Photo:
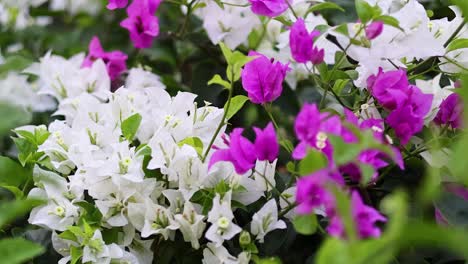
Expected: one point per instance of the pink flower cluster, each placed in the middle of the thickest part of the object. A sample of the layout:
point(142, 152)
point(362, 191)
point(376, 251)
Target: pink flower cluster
point(141, 22)
point(243, 154)
point(407, 104)
point(313, 129)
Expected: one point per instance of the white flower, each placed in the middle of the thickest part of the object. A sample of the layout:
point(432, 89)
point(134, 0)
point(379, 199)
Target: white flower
point(217, 254)
point(64, 78)
point(220, 216)
point(158, 220)
point(440, 94)
point(266, 220)
point(264, 175)
point(59, 212)
point(231, 25)
point(16, 90)
point(142, 250)
point(191, 224)
point(141, 79)
point(288, 197)
point(96, 251)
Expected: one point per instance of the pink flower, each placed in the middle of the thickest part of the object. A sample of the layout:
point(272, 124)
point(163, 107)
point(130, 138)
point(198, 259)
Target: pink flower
point(311, 129)
point(266, 143)
point(115, 4)
point(389, 88)
point(141, 22)
point(263, 78)
point(450, 112)
point(241, 152)
point(115, 60)
point(365, 219)
point(269, 8)
point(312, 193)
point(301, 44)
point(374, 29)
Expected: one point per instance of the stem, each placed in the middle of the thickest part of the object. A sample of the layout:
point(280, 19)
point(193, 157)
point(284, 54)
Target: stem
point(221, 124)
point(231, 4)
point(340, 61)
point(292, 9)
point(454, 35)
point(274, 188)
point(272, 118)
point(181, 32)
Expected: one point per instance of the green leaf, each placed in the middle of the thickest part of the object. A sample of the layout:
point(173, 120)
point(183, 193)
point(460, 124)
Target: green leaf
point(463, 4)
point(313, 162)
point(91, 214)
point(339, 85)
point(130, 126)
point(367, 172)
point(270, 260)
point(305, 224)
point(364, 10)
point(333, 251)
point(291, 167)
point(235, 64)
point(287, 144)
point(218, 80)
point(457, 44)
point(342, 29)
point(13, 189)
point(323, 6)
point(18, 250)
point(75, 253)
point(9, 211)
point(285, 21)
point(237, 102)
point(389, 20)
point(226, 52)
point(68, 235)
point(12, 173)
point(194, 142)
point(26, 149)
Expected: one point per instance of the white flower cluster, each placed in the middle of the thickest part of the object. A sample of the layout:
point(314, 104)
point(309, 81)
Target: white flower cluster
point(132, 163)
point(15, 89)
point(16, 13)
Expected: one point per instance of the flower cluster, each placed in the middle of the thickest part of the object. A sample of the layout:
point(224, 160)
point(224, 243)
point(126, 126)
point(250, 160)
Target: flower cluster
point(135, 157)
point(125, 166)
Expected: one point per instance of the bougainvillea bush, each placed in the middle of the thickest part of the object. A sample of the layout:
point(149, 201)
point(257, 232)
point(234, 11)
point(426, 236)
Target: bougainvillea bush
point(233, 131)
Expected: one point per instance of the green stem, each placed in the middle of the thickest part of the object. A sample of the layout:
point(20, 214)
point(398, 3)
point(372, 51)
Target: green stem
point(273, 120)
point(273, 188)
point(292, 9)
point(221, 124)
point(337, 65)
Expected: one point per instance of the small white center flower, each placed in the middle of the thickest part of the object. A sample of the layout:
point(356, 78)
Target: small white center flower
point(364, 106)
point(321, 136)
point(127, 161)
point(223, 223)
point(321, 144)
point(59, 211)
point(389, 139)
point(377, 129)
